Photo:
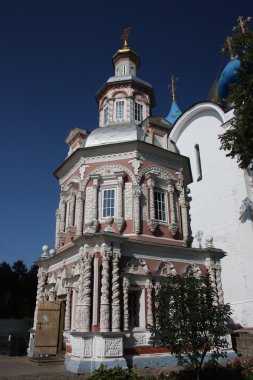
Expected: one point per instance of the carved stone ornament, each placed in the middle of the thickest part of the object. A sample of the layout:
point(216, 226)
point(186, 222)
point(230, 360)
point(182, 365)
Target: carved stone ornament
point(194, 270)
point(109, 222)
point(112, 169)
point(136, 266)
point(173, 227)
point(166, 269)
point(136, 164)
point(158, 171)
point(152, 224)
point(113, 347)
point(82, 170)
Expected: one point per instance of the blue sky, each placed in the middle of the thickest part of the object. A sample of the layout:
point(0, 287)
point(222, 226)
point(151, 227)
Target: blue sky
point(55, 55)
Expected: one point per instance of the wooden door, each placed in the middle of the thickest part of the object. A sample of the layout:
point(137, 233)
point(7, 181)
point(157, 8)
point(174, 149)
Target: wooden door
point(47, 329)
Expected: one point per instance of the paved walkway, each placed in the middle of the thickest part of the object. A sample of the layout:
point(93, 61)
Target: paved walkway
point(20, 368)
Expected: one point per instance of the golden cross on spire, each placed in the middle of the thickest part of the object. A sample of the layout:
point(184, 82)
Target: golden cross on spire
point(173, 87)
point(242, 23)
point(124, 37)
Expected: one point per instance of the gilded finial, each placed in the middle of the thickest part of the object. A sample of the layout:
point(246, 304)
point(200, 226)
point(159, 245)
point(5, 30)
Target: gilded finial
point(173, 87)
point(242, 23)
point(124, 37)
point(228, 44)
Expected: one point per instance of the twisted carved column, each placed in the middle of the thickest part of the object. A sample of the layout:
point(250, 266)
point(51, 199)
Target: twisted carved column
point(149, 288)
point(173, 226)
point(68, 310)
point(84, 291)
point(214, 271)
point(57, 229)
point(79, 213)
point(157, 290)
point(41, 275)
point(137, 196)
point(115, 292)
point(126, 285)
point(104, 301)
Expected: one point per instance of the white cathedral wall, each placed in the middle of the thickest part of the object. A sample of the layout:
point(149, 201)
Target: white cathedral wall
point(216, 203)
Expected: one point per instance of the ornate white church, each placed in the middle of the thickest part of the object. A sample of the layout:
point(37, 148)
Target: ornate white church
point(123, 225)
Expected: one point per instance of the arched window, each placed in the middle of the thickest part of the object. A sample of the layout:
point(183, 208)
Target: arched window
point(106, 115)
point(124, 69)
point(198, 162)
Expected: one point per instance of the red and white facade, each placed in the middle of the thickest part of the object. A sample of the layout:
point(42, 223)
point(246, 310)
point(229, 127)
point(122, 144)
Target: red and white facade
point(122, 226)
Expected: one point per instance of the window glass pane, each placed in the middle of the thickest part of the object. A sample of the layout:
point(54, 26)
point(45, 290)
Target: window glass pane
point(160, 206)
point(120, 109)
point(138, 111)
point(108, 203)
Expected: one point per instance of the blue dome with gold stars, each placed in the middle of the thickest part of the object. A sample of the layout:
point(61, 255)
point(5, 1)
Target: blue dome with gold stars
point(174, 113)
point(229, 76)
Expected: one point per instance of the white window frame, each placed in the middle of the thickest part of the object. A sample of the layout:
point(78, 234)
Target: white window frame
point(159, 210)
point(119, 109)
point(138, 111)
point(115, 202)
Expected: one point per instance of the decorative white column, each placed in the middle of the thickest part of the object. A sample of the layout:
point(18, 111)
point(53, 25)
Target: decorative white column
point(95, 179)
point(184, 213)
point(149, 288)
point(137, 196)
point(157, 290)
point(119, 220)
point(95, 287)
point(62, 207)
point(104, 300)
point(71, 200)
point(151, 204)
point(173, 226)
point(219, 282)
point(57, 229)
point(79, 212)
point(67, 310)
point(41, 275)
point(126, 285)
point(214, 271)
point(84, 291)
point(115, 292)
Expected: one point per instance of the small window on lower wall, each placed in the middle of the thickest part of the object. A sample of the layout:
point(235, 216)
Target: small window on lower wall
point(108, 202)
point(198, 162)
point(160, 205)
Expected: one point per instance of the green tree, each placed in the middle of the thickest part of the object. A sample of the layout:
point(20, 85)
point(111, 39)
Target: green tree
point(238, 139)
point(188, 321)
